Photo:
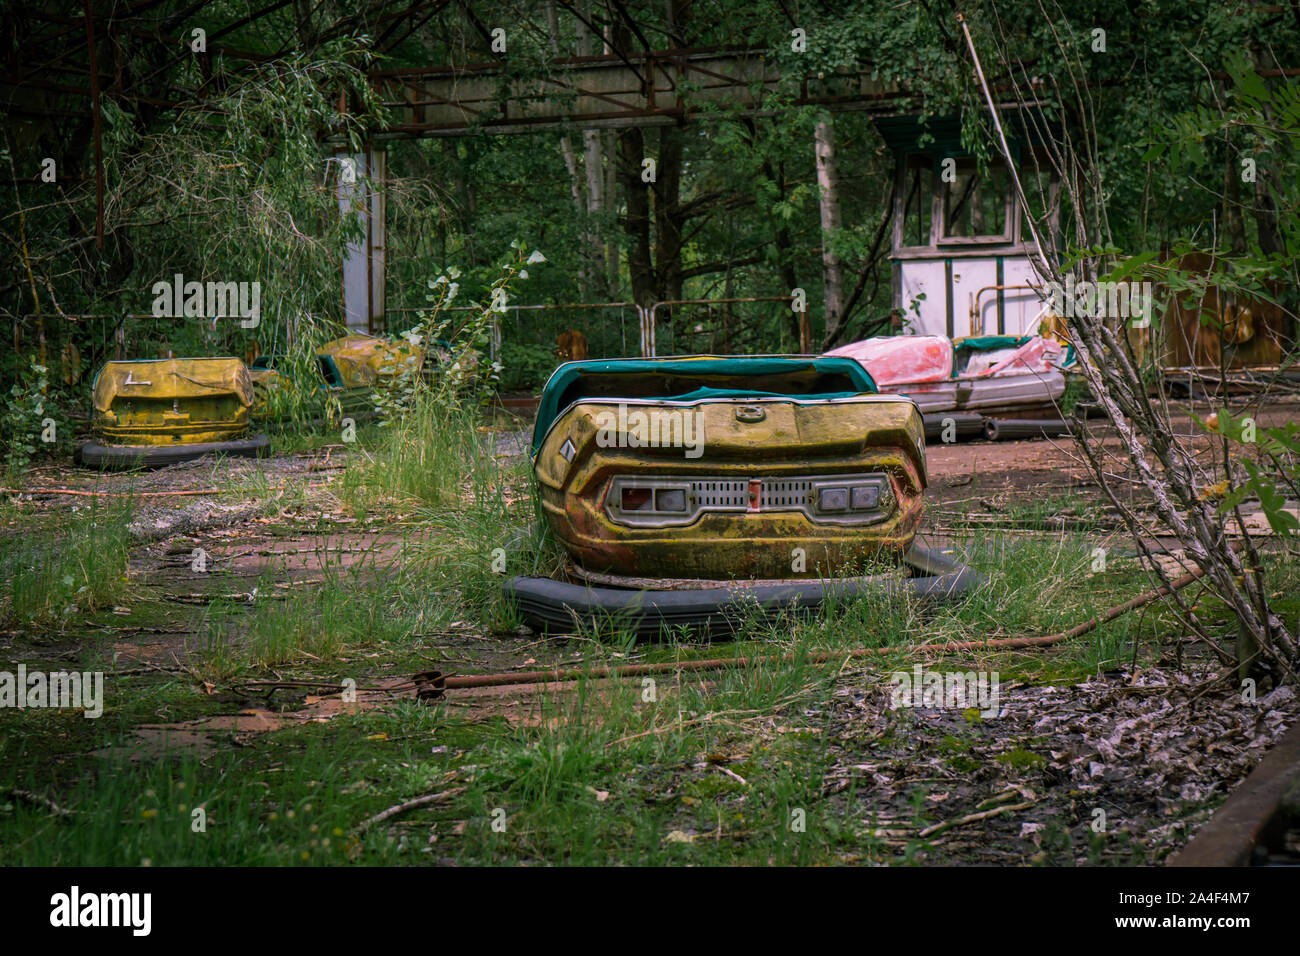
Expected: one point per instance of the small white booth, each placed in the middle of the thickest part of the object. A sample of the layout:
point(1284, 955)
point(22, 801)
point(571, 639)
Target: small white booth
point(961, 246)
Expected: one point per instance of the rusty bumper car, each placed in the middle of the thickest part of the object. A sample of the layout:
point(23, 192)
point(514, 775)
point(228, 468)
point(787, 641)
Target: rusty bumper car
point(351, 369)
point(987, 386)
point(695, 491)
point(151, 413)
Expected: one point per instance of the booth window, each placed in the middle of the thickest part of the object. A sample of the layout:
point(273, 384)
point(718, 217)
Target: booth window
point(918, 192)
point(975, 205)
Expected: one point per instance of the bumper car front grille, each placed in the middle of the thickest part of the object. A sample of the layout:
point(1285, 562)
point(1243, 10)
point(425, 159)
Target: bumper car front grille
point(669, 501)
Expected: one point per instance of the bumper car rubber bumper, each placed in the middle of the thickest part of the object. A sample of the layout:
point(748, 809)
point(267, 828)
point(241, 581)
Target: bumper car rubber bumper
point(115, 457)
point(557, 606)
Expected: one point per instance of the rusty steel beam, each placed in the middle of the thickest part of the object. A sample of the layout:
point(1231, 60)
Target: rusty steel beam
point(1246, 820)
point(397, 18)
point(607, 90)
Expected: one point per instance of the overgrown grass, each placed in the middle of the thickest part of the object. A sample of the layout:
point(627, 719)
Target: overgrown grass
point(495, 535)
point(604, 772)
point(472, 528)
point(357, 606)
point(292, 799)
point(429, 454)
point(612, 775)
point(79, 565)
point(579, 787)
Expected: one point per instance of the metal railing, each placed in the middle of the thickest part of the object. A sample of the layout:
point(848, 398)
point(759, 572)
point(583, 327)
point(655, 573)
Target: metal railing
point(647, 317)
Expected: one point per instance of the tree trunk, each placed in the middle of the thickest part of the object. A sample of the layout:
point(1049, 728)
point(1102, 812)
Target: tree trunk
point(636, 219)
point(578, 185)
point(1234, 222)
point(828, 186)
point(668, 183)
point(785, 248)
point(668, 220)
point(594, 164)
point(589, 44)
point(1270, 235)
point(611, 187)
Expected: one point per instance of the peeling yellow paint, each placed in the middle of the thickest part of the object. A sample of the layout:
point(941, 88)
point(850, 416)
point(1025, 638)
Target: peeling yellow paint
point(793, 439)
point(172, 401)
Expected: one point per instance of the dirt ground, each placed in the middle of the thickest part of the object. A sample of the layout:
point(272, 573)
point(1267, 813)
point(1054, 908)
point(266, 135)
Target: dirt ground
point(1028, 468)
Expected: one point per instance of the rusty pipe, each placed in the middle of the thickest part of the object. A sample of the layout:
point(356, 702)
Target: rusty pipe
point(431, 684)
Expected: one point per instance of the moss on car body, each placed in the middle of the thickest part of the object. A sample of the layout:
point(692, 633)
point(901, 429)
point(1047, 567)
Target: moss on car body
point(751, 455)
point(172, 401)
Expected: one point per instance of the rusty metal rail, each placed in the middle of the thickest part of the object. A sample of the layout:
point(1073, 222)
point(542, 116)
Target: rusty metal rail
point(1255, 815)
point(430, 685)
